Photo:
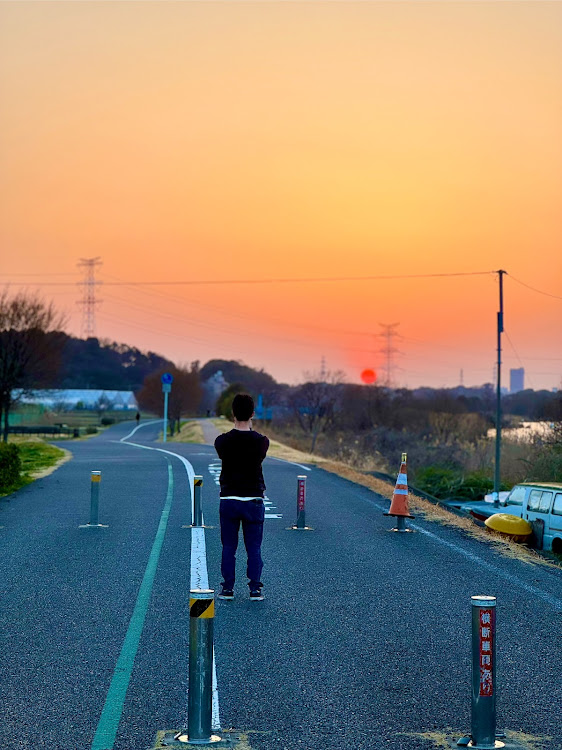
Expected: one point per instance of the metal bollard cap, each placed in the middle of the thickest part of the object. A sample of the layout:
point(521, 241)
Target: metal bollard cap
point(201, 593)
point(483, 601)
point(301, 476)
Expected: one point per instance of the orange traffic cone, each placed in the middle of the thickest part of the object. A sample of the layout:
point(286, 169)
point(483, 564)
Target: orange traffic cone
point(399, 504)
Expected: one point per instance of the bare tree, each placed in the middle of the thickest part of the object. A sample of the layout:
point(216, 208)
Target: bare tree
point(315, 403)
point(30, 347)
point(184, 398)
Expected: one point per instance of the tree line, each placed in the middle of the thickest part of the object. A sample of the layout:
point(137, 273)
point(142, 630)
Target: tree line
point(365, 425)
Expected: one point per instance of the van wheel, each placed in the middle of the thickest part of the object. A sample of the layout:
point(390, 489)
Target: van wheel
point(557, 546)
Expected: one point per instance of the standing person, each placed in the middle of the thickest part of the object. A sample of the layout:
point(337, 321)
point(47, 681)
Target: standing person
point(242, 451)
point(138, 418)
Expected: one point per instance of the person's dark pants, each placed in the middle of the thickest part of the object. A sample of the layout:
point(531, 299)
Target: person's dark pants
point(251, 514)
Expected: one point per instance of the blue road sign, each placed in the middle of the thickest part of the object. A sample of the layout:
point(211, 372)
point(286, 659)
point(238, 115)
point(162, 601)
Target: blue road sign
point(167, 378)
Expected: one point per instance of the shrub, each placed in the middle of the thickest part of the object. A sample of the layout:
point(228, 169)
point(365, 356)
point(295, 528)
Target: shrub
point(474, 486)
point(106, 421)
point(90, 430)
point(445, 483)
point(437, 481)
point(10, 466)
point(223, 407)
point(547, 465)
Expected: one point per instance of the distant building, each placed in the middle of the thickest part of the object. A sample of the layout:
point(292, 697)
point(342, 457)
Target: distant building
point(72, 398)
point(517, 380)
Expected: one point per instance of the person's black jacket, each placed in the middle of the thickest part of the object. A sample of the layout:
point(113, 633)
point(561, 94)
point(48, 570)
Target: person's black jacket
point(242, 453)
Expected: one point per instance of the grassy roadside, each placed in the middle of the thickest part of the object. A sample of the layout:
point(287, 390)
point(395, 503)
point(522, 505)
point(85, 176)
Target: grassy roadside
point(190, 432)
point(38, 459)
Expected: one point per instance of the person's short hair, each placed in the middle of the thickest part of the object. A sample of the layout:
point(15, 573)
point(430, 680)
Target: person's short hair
point(243, 407)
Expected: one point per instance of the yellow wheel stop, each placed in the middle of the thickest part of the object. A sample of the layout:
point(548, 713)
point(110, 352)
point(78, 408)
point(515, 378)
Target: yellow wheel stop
point(505, 523)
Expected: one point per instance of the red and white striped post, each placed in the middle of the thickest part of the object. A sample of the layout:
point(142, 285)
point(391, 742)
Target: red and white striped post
point(483, 734)
point(301, 495)
point(300, 524)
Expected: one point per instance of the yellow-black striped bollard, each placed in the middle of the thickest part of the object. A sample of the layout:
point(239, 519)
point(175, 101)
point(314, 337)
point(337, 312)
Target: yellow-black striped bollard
point(200, 698)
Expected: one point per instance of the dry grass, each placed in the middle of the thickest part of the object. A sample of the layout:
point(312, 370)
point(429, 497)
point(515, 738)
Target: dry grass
point(448, 737)
point(222, 425)
point(190, 432)
point(278, 450)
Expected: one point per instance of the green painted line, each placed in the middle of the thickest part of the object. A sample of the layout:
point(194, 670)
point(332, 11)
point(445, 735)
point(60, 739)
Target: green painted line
point(106, 731)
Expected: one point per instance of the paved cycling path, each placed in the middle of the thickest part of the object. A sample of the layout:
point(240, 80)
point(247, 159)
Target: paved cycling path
point(363, 640)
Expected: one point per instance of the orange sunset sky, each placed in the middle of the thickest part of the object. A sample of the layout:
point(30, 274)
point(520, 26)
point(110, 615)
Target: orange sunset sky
point(253, 141)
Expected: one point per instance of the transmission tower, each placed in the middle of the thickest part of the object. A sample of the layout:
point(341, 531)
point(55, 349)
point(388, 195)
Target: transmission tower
point(89, 300)
point(388, 334)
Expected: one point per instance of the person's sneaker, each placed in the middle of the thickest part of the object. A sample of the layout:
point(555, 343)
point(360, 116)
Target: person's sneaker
point(256, 596)
point(226, 594)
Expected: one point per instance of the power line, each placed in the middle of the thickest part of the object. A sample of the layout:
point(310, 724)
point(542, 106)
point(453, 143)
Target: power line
point(538, 291)
point(311, 280)
point(231, 313)
point(41, 275)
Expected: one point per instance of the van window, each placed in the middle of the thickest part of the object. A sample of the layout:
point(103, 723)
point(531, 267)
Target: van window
point(534, 500)
point(557, 509)
point(516, 496)
point(546, 500)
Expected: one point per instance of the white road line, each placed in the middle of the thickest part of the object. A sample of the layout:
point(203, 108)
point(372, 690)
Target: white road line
point(274, 458)
point(199, 576)
point(545, 596)
point(549, 598)
point(138, 427)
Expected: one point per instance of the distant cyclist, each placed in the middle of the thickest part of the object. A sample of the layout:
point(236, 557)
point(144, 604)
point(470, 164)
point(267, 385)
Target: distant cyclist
point(242, 451)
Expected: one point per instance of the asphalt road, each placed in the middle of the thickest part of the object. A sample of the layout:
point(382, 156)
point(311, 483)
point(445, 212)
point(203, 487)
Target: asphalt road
point(363, 640)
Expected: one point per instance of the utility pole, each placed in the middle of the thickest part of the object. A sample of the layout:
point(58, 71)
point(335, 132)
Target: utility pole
point(388, 349)
point(89, 300)
point(497, 479)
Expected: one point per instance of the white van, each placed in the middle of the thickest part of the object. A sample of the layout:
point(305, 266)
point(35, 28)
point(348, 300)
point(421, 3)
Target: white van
point(540, 503)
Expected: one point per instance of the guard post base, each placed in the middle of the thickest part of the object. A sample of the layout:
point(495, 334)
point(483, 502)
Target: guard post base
point(174, 740)
point(467, 742)
point(400, 523)
point(93, 526)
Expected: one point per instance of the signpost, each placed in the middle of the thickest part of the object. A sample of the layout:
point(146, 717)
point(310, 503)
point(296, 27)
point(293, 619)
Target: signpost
point(167, 379)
